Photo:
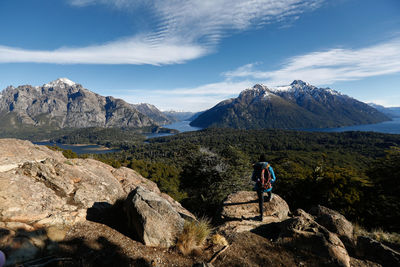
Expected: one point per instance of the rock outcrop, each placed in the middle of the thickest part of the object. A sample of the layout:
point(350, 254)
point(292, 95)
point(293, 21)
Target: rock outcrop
point(334, 222)
point(41, 189)
point(240, 211)
point(302, 232)
point(325, 233)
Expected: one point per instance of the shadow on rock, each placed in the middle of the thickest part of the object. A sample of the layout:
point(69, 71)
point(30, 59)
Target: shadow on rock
point(101, 252)
point(112, 216)
point(41, 248)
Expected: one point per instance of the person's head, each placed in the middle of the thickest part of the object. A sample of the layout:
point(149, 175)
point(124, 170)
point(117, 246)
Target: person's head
point(262, 158)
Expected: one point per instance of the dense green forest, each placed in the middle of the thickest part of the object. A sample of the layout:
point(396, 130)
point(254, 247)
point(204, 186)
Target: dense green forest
point(356, 173)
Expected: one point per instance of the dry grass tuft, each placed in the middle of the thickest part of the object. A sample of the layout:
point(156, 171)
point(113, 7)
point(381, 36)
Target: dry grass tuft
point(378, 235)
point(219, 240)
point(193, 237)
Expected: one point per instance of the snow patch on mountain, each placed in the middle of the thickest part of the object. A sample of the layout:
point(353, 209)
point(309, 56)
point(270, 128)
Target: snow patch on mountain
point(60, 82)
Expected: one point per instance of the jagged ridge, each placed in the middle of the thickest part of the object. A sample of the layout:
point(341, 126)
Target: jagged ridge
point(63, 103)
point(299, 105)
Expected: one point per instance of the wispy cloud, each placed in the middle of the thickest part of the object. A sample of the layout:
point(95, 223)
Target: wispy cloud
point(130, 51)
point(185, 30)
point(326, 67)
point(317, 68)
point(189, 99)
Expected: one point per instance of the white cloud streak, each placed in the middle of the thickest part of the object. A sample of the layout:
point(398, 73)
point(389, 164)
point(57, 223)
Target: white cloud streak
point(185, 30)
point(329, 66)
point(317, 68)
point(189, 99)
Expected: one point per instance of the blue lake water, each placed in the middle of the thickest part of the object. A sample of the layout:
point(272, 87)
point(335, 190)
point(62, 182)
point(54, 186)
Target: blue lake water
point(80, 149)
point(181, 126)
point(392, 127)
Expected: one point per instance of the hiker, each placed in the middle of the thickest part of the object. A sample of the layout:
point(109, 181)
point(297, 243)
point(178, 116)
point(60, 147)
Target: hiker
point(264, 177)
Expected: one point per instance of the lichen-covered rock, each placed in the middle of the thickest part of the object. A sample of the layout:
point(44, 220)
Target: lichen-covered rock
point(243, 205)
point(152, 218)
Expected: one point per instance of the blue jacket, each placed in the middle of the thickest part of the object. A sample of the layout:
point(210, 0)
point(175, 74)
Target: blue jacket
point(256, 176)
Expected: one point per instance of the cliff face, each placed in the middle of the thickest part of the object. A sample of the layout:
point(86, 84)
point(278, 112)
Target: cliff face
point(63, 103)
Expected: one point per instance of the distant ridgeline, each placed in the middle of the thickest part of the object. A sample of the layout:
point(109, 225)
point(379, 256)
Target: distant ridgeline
point(65, 104)
point(299, 105)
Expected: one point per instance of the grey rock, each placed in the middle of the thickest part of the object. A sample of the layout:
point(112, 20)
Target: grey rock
point(152, 218)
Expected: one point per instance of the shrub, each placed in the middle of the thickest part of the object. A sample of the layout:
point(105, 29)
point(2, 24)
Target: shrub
point(193, 237)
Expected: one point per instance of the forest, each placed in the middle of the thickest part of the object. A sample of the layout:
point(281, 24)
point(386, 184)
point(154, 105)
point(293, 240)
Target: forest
point(356, 173)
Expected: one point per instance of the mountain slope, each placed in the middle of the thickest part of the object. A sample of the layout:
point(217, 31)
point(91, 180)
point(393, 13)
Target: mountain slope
point(154, 113)
point(393, 112)
point(298, 105)
point(63, 103)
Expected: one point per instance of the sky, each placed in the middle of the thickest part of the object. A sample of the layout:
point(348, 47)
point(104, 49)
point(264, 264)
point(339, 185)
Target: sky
point(188, 55)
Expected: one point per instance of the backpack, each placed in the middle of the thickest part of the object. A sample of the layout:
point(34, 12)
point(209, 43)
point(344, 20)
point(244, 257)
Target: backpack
point(262, 175)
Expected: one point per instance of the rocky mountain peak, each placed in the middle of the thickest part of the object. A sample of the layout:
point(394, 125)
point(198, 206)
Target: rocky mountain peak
point(258, 90)
point(60, 82)
point(299, 83)
point(64, 103)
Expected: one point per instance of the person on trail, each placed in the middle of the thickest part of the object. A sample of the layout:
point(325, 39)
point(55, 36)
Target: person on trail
point(264, 176)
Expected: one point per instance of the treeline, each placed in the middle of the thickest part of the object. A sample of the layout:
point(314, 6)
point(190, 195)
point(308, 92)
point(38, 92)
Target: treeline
point(356, 173)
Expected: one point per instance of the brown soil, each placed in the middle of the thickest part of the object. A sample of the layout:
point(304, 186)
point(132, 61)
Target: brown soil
point(249, 249)
point(95, 244)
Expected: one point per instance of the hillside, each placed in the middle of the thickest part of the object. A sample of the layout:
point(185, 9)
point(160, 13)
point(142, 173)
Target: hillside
point(154, 113)
point(64, 104)
point(81, 212)
point(299, 105)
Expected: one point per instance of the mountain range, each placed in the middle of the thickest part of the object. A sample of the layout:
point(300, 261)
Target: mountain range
point(65, 104)
point(298, 105)
point(392, 112)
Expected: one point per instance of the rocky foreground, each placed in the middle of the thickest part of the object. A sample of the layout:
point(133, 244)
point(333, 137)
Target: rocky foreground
point(80, 212)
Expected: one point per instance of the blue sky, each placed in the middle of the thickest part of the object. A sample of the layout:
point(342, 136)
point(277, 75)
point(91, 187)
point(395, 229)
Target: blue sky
point(189, 55)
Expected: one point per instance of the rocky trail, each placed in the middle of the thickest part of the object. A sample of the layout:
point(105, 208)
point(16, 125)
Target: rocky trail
point(80, 212)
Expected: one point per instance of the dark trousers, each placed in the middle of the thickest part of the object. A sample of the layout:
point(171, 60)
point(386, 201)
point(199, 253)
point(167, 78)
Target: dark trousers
point(260, 194)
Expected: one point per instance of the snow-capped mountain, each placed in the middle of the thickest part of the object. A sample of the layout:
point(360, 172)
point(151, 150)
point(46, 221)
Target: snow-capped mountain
point(298, 105)
point(64, 103)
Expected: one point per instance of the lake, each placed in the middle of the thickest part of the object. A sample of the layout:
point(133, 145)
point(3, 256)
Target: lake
point(181, 126)
point(80, 149)
point(392, 127)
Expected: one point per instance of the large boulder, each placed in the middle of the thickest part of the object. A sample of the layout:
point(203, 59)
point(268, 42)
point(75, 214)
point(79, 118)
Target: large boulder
point(39, 187)
point(153, 220)
point(240, 212)
point(243, 205)
point(334, 222)
point(303, 233)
